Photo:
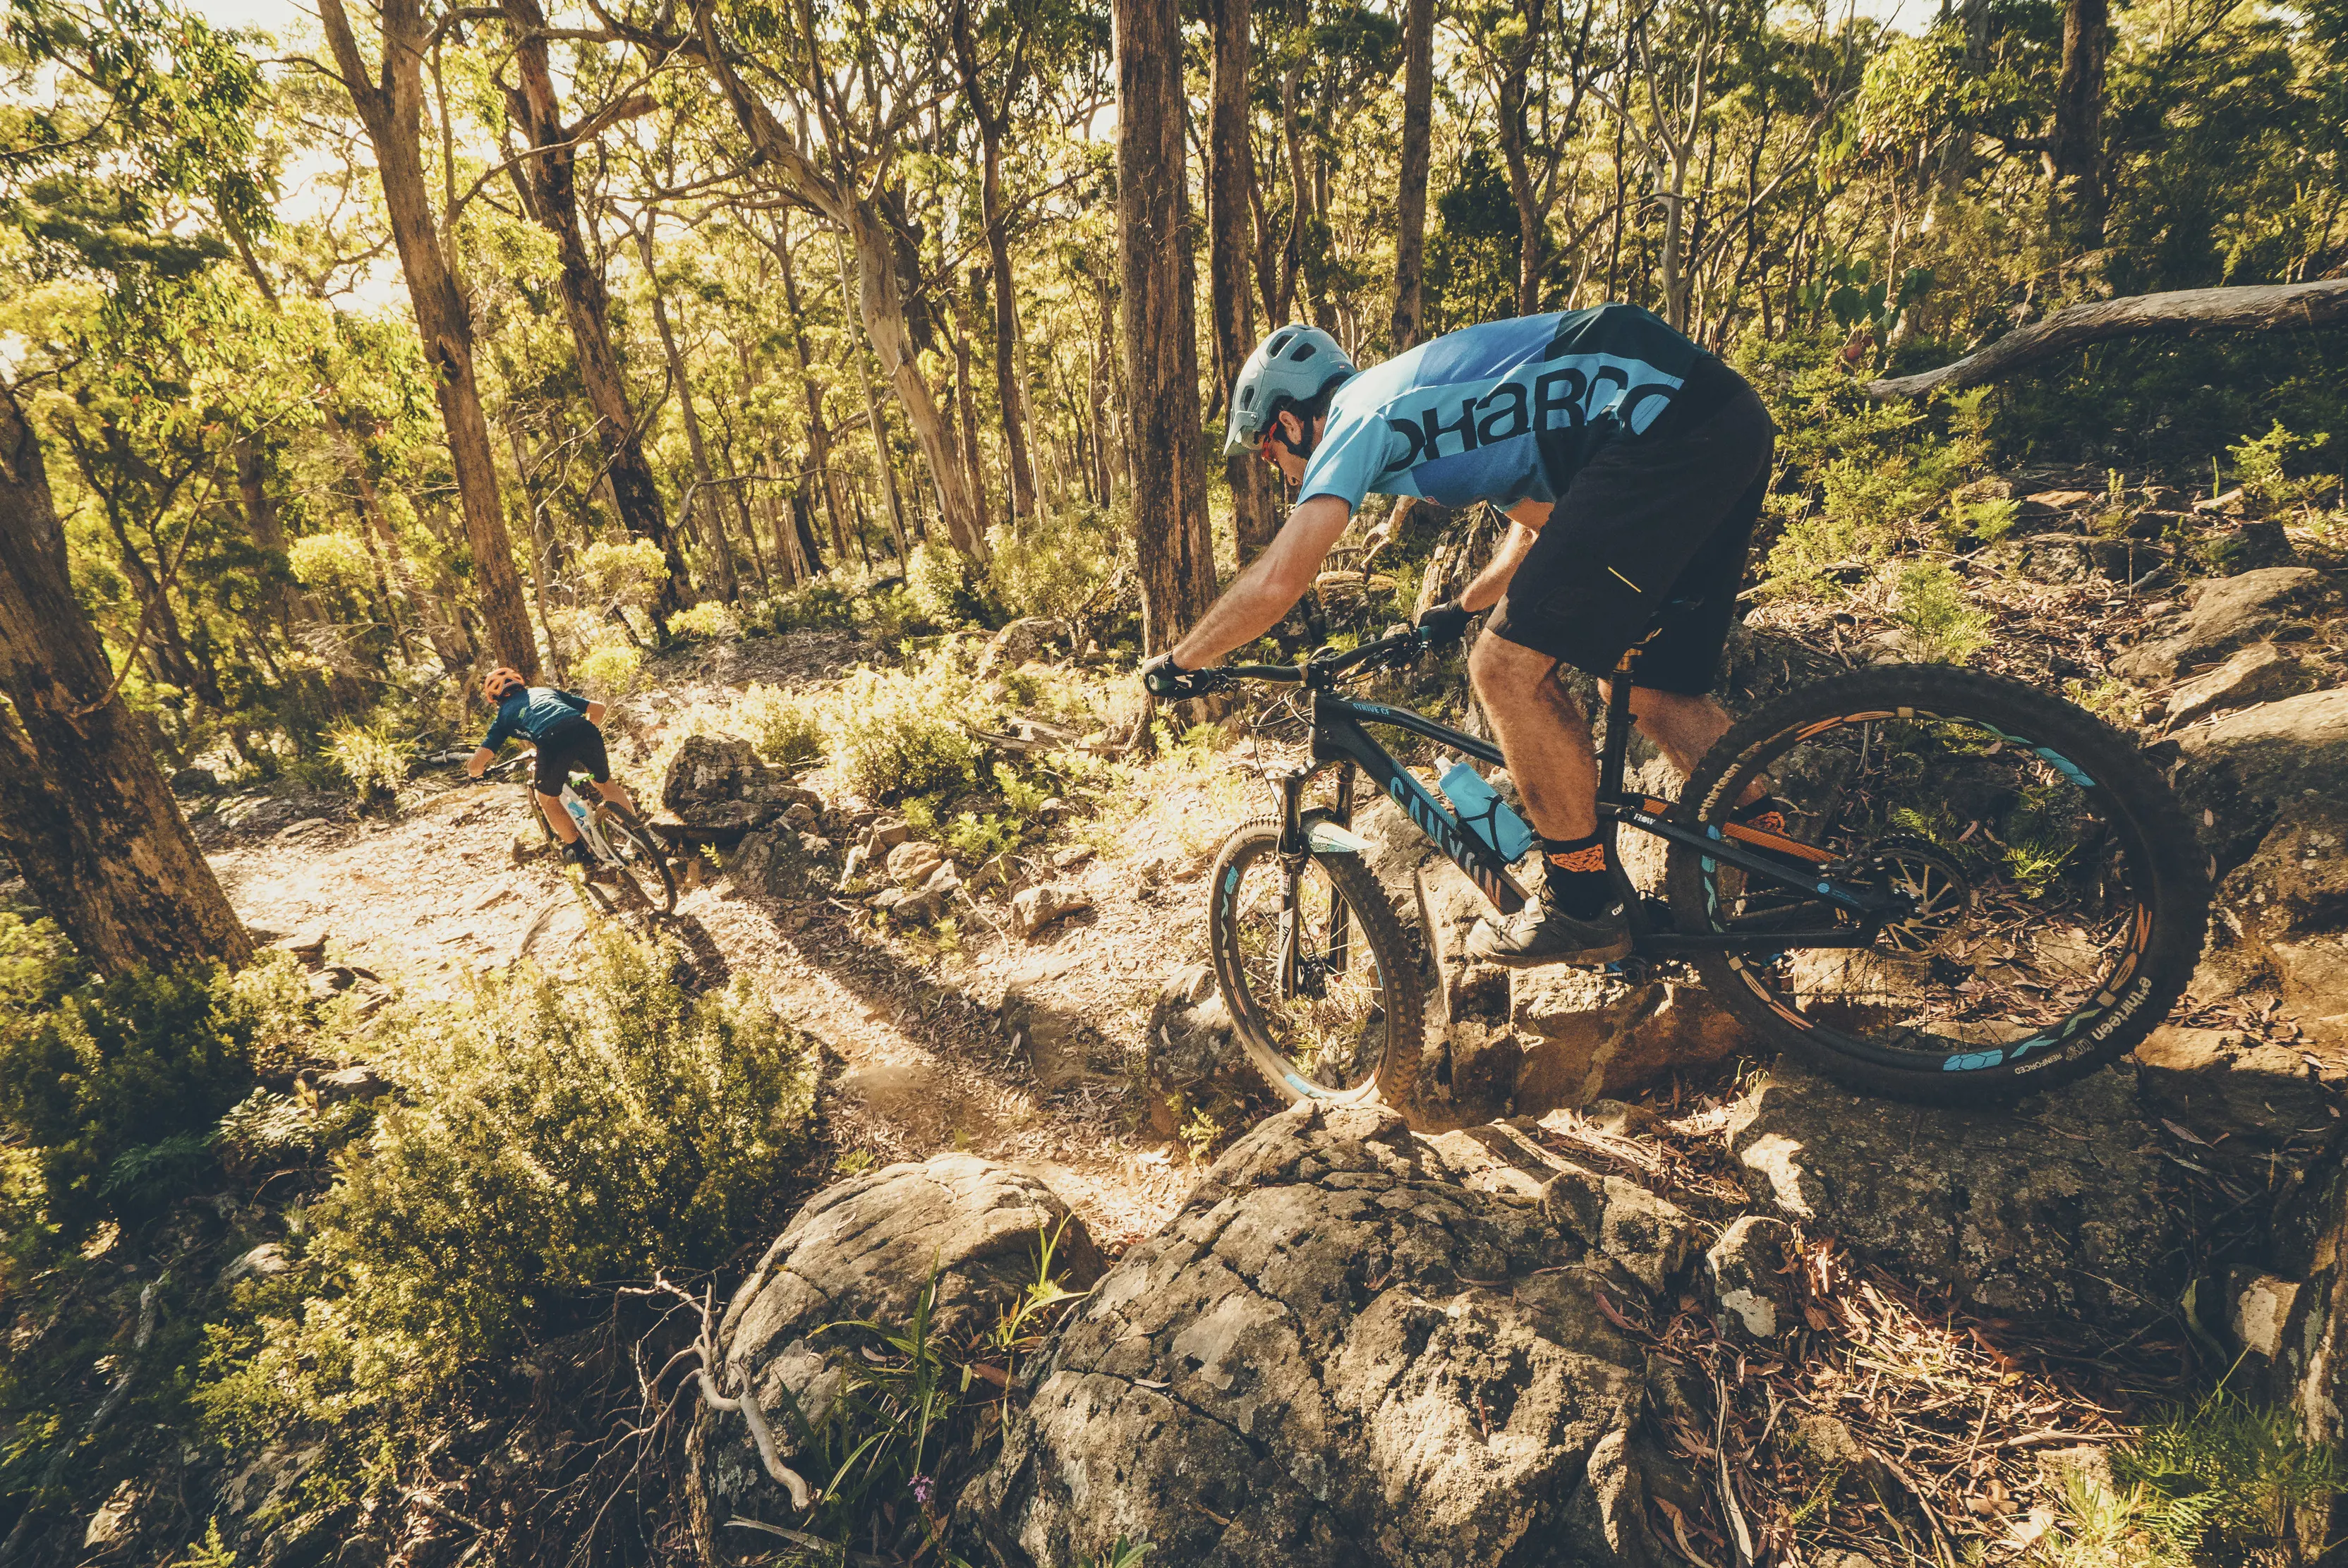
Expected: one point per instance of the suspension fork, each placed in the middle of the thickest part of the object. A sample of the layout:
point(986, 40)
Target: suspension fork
point(1295, 855)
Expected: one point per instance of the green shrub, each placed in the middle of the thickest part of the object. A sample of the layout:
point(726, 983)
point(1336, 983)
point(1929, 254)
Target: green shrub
point(610, 671)
point(819, 603)
point(892, 733)
point(889, 613)
point(2265, 465)
point(328, 561)
point(785, 726)
point(708, 621)
point(560, 1134)
point(937, 581)
point(118, 1083)
point(1938, 624)
point(375, 764)
point(1060, 564)
point(628, 574)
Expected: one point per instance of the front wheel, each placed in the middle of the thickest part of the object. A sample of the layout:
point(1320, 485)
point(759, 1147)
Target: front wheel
point(1313, 963)
point(642, 874)
point(2049, 896)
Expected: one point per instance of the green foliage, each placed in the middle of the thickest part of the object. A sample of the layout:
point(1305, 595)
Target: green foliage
point(708, 621)
point(559, 1134)
point(2264, 464)
point(1938, 624)
point(937, 580)
point(628, 575)
point(2226, 1466)
point(331, 561)
point(894, 733)
point(610, 671)
point(818, 604)
point(785, 726)
point(1988, 520)
point(1062, 563)
point(1846, 288)
point(111, 1080)
point(373, 762)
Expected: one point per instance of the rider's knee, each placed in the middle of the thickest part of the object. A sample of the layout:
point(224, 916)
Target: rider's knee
point(1497, 666)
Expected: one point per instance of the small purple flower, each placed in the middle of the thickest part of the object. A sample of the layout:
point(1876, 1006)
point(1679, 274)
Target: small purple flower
point(925, 1489)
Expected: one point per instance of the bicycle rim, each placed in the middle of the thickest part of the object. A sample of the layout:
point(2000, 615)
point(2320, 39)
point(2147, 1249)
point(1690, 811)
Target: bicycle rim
point(638, 865)
point(1307, 992)
point(2028, 892)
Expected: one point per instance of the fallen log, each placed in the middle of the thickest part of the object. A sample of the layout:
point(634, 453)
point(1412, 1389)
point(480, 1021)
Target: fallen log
point(2256, 307)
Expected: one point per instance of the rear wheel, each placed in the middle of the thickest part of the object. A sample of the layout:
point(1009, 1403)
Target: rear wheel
point(2051, 896)
point(1315, 967)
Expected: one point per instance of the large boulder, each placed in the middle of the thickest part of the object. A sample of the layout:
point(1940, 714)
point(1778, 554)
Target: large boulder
point(864, 1250)
point(1346, 1349)
point(2226, 614)
point(2253, 1102)
point(2288, 907)
point(2052, 1207)
point(2239, 773)
point(2261, 672)
point(719, 790)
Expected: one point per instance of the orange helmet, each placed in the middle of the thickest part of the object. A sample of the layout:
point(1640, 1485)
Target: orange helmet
point(500, 681)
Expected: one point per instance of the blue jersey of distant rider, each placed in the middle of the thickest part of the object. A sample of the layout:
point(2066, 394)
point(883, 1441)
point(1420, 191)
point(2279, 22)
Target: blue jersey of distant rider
point(1504, 412)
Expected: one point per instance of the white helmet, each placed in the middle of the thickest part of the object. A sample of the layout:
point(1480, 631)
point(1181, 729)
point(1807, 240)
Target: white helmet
point(1294, 364)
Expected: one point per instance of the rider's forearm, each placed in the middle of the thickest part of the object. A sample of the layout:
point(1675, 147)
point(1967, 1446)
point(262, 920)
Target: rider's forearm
point(481, 758)
point(1266, 590)
point(1493, 581)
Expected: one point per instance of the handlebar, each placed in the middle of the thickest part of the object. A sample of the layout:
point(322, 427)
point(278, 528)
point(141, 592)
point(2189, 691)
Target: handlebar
point(1322, 668)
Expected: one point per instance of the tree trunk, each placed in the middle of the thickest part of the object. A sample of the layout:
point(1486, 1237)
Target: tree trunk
point(1418, 141)
point(84, 812)
point(2075, 152)
point(551, 178)
point(963, 393)
point(878, 426)
point(391, 111)
point(260, 520)
point(818, 429)
point(1229, 171)
point(1159, 328)
point(540, 544)
point(729, 586)
point(994, 120)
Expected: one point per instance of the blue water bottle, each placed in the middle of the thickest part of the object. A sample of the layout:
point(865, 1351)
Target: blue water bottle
point(1484, 813)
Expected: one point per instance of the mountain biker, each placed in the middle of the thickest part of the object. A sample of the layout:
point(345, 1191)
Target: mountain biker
point(562, 725)
point(1631, 464)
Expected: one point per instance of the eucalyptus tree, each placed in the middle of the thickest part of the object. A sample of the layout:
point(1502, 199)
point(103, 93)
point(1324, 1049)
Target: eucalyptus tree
point(140, 125)
point(387, 93)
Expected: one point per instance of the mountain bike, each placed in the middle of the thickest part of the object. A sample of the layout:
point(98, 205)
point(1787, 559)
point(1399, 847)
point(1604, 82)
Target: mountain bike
point(1981, 890)
point(632, 874)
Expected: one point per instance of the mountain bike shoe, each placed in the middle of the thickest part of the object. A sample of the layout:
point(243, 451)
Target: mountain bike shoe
point(1541, 933)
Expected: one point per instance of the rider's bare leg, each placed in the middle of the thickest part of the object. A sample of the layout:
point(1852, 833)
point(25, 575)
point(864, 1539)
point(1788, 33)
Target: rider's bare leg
point(1542, 733)
point(1685, 728)
point(611, 790)
point(565, 830)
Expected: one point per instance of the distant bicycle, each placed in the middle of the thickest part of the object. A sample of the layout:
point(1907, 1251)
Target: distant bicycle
point(631, 874)
point(1979, 891)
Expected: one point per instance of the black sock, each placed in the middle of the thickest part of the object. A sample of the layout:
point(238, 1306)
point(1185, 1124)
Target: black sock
point(1579, 882)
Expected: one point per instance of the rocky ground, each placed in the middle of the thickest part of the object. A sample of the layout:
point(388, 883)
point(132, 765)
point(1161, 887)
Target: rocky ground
point(1641, 1300)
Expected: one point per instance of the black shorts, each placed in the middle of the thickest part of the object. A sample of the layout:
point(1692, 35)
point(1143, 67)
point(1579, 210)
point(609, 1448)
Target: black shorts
point(575, 748)
point(1662, 520)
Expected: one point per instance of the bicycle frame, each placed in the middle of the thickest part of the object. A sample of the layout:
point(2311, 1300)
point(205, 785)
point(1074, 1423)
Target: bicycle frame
point(1340, 739)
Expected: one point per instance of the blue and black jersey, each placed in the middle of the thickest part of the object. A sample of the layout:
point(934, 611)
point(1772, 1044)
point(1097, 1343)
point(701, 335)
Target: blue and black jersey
point(534, 712)
point(1505, 411)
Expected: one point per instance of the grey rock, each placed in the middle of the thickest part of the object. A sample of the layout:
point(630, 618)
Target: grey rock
point(1337, 1353)
point(2247, 1097)
point(1746, 1274)
point(2226, 614)
point(774, 863)
point(909, 864)
point(1030, 637)
point(264, 1261)
point(1033, 908)
point(2239, 773)
point(1192, 1047)
point(719, 789)
point(1589, 1035)
point(885, 836)
point(1983, 1203)
point(864, 1250)
point(1485, 1060)
point(2259, 673)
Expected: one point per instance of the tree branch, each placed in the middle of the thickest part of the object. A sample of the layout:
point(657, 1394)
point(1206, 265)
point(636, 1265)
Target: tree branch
point(2258, 307)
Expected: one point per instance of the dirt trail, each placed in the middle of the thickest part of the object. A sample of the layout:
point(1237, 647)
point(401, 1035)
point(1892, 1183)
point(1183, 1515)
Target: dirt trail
point(928, 1058)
